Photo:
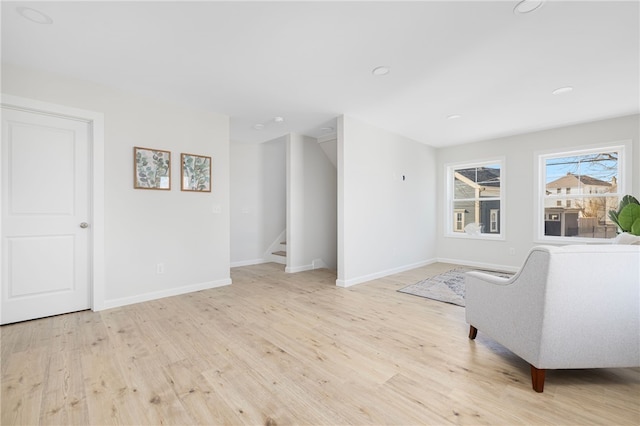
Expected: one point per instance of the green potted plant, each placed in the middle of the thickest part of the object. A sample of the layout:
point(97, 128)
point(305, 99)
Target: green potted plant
point(627, 217)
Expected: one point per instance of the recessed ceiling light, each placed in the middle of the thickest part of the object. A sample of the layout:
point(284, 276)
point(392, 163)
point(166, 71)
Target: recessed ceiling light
point(34, 15)
point(454, 117)
point(326, 129)
point(258, 126)
point(527, 6)
point(561, 90)
point(278, 119)
point(381, 70)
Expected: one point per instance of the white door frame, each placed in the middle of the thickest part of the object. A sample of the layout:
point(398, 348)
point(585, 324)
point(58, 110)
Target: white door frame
point(95, 120)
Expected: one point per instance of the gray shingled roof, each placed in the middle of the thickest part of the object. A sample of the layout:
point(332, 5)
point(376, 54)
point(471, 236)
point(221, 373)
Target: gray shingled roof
point(571, 180)
point(485, 176)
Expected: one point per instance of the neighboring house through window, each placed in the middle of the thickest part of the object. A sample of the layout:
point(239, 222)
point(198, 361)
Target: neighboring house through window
point(576, 191)
point(493, 220)
point(475, 196)
point(458, 221)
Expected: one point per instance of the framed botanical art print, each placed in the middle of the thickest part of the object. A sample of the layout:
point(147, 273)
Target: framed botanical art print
point(196, 173)
point(151, 168)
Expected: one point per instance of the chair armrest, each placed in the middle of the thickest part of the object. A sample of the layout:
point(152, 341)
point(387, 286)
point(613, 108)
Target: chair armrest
point(489, 278)
point(510, 310)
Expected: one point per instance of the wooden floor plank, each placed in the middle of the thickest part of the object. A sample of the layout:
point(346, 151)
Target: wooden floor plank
point(277, 348)
point(198, 396)
point(64, 391)
point(23, 384)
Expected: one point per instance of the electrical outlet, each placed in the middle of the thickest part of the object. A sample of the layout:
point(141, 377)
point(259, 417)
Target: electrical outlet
point(160, 268)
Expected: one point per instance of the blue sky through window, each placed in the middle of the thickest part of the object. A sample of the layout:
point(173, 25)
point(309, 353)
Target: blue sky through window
point(601, 166)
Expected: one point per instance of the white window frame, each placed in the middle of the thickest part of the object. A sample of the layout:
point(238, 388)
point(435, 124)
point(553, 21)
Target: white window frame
point(625, 158)
point(449, 205)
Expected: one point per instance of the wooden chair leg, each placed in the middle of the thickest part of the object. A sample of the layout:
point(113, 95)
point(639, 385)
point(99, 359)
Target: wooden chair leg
point(537, 378)
point(473, 332)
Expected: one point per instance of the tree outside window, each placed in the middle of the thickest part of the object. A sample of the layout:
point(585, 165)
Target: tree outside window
point(590, 182)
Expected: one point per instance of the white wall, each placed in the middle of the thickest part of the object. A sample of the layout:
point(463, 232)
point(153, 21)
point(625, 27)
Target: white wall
point(246, 204)
point(330, 148)
point(258, 199)
point(274, 190)
point(295, 203)
point(311, 206)
point(385, 224)
point(320, 206)
point(519, 152)
point(146, 227)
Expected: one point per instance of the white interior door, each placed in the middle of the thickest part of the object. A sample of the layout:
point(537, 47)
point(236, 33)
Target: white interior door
point(45, 215)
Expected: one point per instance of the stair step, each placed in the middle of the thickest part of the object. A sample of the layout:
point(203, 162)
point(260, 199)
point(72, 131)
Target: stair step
point(280, 253)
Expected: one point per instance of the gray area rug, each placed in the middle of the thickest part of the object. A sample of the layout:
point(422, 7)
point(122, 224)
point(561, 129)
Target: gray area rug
point(447, 287)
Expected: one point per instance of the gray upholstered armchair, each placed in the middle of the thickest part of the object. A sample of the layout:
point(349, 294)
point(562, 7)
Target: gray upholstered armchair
point(568, 307)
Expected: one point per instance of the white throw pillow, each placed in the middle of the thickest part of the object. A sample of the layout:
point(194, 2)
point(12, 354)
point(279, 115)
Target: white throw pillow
point(473, 229)
point(626, 238)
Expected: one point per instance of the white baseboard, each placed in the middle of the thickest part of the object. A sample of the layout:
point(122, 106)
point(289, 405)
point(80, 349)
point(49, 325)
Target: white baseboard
point(248, 262)
point(315, 264)
point(376, 275)
point(115, 303)
point(481, 265)
point(294, 269)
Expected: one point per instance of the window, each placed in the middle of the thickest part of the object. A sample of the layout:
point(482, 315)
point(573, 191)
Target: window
point(475, 196)
point(591, 180)
point(493, 218)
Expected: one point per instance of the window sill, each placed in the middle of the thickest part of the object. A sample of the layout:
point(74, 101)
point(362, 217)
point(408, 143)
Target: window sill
point(486, 237)
point(571, 240)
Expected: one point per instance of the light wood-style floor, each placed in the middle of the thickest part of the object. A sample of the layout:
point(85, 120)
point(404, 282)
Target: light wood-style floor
point(276, 348)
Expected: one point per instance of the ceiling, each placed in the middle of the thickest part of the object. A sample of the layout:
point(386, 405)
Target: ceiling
point(310, 62)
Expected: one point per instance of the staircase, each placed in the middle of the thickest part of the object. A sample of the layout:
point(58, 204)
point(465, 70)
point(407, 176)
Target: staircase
point(280, 256)
point(277, 251)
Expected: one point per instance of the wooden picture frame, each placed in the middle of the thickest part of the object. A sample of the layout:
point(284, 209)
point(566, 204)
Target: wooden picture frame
point(195, 173)
point(151, 168)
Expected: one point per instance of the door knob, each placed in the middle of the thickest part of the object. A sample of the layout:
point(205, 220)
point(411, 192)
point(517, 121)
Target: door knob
point(84, 225)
